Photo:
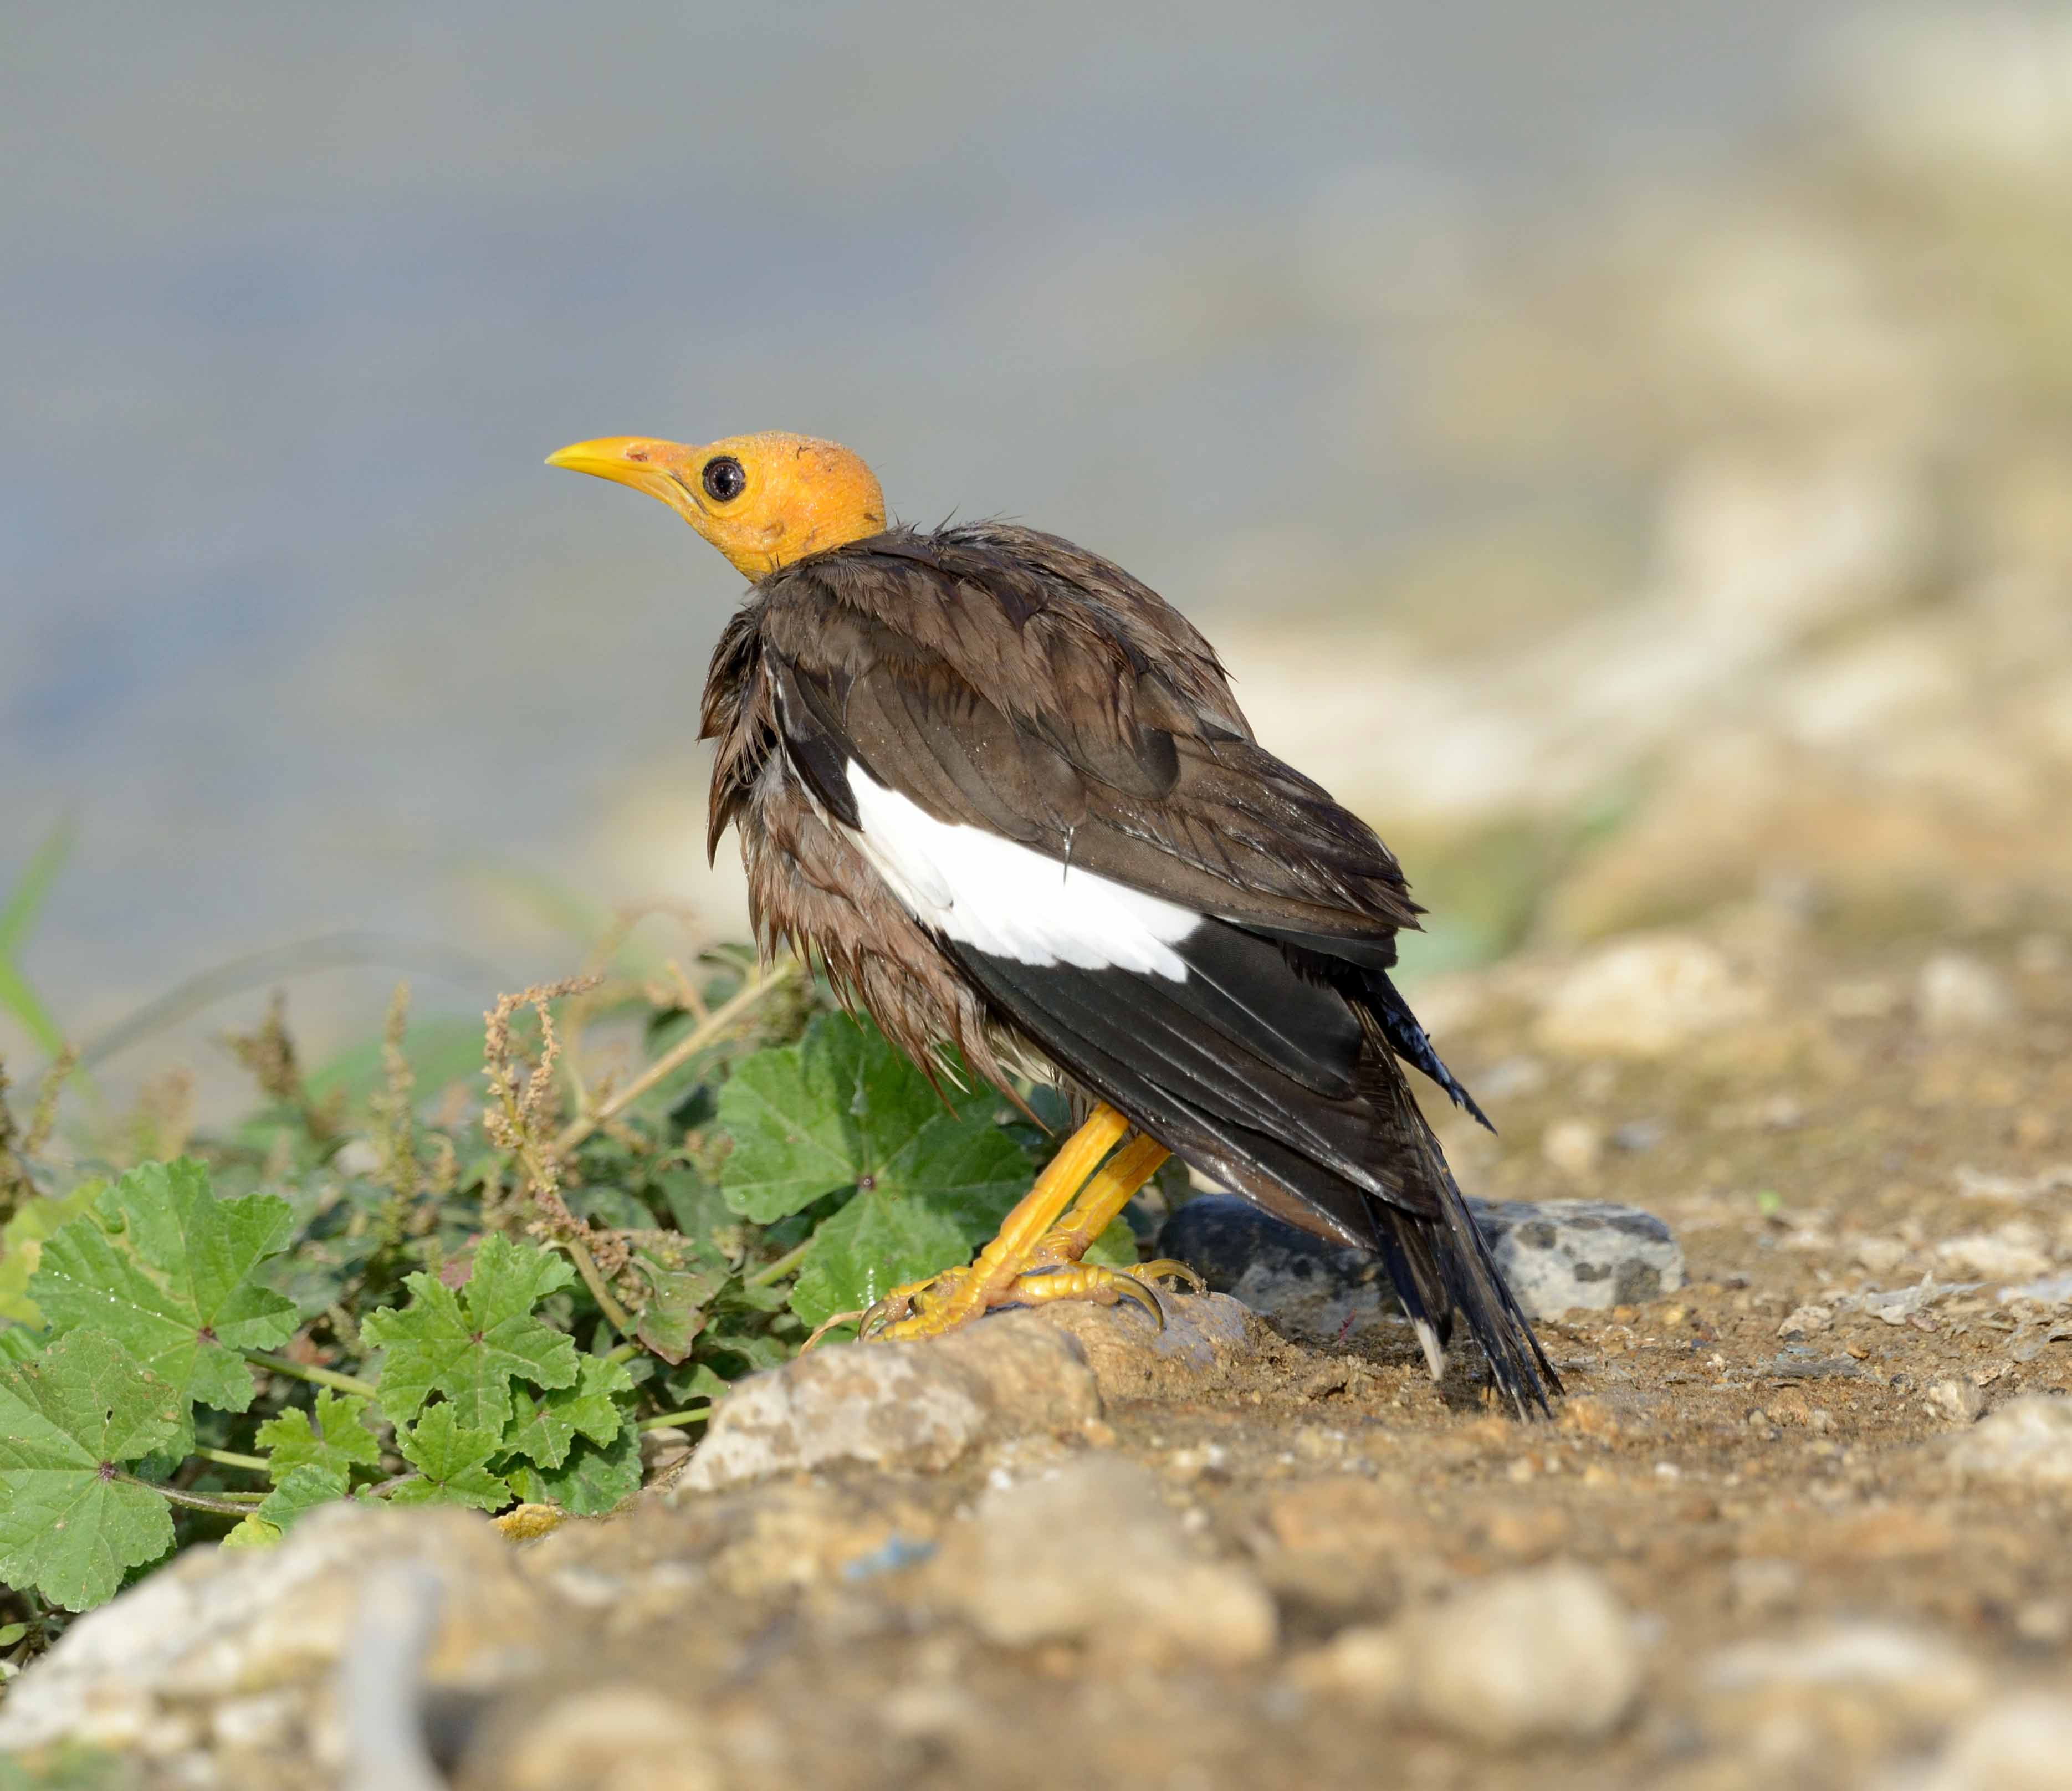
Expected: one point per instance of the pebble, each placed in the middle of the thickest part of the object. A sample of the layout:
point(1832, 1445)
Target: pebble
point(1544, 1654)
point(1558, 1255)
point(1957, 995)
point(2028, 1439)
point(1959, 1401)
point(1090, 1549)
point(2021, 1743)
point(1645, 997)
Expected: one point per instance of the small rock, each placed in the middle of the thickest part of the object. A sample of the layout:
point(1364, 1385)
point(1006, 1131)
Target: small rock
point(2028, 1439)
point(1575, 1147)
point(2013, 1253)
point(1557, 1255)
point(1806, 1322)
point(1547, 1653)
point(1639, 1135)
point(1092, 1549)
point(1367, 1664)
point(2021, 1743)
point(1958, 995)
point(1644, 997)
point(1959, 1401)
point(1881, 1255)
point(218, 1624)
point(918, 1405)
point(1561, 1254)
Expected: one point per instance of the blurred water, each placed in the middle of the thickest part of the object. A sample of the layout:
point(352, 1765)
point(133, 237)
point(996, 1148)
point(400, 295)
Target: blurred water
point(291, 616)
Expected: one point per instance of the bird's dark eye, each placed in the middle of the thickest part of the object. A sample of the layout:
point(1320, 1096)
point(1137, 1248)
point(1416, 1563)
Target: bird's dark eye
point(724, 479)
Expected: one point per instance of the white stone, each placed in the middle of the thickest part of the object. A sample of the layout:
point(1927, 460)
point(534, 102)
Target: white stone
point(2028, 1439)
point(1548, 1654)
point(1645, 997)
point(1958, 995)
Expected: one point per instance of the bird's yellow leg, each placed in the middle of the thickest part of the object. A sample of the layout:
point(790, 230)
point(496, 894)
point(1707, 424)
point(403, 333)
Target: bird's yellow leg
point(1035, 1256)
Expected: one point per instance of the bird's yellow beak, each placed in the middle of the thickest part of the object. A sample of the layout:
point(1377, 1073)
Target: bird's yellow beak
point(663, 470)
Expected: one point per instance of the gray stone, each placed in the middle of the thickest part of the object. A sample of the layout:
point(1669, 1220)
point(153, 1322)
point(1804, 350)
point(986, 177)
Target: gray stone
point(1561, 1255)
point(1557, 1255)
point(1547, 1654)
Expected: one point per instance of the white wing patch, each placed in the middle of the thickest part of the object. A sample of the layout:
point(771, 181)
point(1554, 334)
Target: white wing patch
point(1002, 899)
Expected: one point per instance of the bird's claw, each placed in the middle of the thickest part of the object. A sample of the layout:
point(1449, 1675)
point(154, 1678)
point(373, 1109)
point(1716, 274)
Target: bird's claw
point(946, 1301)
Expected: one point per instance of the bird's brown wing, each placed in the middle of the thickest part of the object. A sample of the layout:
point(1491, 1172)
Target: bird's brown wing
point(1022, 740)
point(1006, 680)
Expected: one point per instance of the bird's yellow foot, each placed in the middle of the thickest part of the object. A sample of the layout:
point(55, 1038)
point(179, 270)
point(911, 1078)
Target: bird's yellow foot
point(1035, 1259)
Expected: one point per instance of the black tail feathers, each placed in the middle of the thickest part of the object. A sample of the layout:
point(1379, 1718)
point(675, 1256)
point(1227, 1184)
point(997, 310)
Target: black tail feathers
point(1411, 1042)
point(1441, 1267)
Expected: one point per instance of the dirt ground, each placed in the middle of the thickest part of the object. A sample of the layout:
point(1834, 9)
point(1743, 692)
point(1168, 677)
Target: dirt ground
point(1735, 1479)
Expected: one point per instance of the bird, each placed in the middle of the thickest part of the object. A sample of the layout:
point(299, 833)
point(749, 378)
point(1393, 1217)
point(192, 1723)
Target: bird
point(1002, 793)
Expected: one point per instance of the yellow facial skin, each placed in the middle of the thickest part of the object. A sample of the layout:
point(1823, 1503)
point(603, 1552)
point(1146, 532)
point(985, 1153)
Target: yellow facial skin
point(762, 500)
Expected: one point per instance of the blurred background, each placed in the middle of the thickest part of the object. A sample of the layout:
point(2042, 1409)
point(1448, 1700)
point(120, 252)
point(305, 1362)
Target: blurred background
point(1624, 448)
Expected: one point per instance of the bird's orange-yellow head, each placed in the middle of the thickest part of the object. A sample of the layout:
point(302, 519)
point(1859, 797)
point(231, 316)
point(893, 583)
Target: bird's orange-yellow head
point(762, 500)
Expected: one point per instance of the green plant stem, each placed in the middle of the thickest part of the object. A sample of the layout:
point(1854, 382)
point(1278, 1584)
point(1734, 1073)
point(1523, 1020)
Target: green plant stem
point(691, 1415)
point(778, 1270)
point(316, 1377)
point(625, 1352)
point(620, 1319)
point(223, 1458)
point(760, 984)
point(194, 1502)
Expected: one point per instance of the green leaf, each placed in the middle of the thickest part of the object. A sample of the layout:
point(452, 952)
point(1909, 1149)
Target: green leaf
point(454, 1460)
point(68, 1526)
point(21, 1246)
point(18, 1343)
point(675, 1312)
point(163, 1266)
point(787, 1110)
point(595, 1478)
point(1116, 1246)
point(870, 1246)
point(544, 1428)
point(843, 1108)
point(302, 1489)
point(335, 1438)
point(472, 1345)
